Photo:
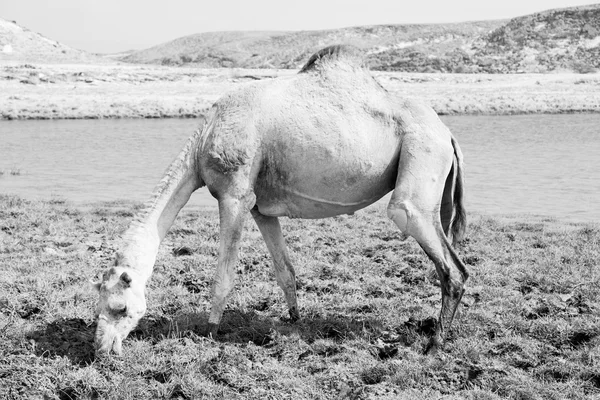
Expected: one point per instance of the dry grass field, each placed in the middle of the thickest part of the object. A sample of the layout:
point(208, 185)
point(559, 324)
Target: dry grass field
point(529, 326)
point(52, 91)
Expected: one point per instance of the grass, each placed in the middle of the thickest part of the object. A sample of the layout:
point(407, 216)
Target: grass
point(528, 328)
point(12, 172)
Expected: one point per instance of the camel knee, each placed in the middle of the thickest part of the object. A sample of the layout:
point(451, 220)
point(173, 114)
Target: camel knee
point(453, 282)
point(400, 214)
point(249, 201)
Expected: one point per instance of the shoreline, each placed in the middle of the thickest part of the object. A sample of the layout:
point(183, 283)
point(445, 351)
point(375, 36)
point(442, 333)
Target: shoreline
point(44, 91)
point(202, 114)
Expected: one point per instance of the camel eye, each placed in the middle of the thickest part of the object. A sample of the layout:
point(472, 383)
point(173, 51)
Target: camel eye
point(120, 310)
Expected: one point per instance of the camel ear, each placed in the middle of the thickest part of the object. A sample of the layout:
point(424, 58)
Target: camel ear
point(126, 279)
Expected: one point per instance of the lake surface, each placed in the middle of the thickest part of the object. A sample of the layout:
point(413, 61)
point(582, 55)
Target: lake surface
point(539, 164)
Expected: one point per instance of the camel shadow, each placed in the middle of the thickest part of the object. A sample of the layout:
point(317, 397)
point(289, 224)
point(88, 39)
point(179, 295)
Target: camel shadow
point(72, 338)
point(249, 326)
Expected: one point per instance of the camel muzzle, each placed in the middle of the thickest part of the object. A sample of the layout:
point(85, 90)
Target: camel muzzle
point(107, 338)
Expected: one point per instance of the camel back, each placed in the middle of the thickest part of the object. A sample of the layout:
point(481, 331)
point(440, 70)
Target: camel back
point(334, 55)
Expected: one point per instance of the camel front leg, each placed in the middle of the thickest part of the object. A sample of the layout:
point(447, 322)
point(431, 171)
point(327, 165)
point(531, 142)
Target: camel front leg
point(231, 215)
point(284, 271)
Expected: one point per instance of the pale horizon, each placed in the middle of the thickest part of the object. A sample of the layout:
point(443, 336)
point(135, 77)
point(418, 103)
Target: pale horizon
point(115, 26)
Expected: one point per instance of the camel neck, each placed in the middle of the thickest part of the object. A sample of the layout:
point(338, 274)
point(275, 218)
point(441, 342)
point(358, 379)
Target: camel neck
point(150, 225)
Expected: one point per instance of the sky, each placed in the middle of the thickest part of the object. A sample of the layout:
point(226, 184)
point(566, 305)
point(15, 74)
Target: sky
point(110, 26)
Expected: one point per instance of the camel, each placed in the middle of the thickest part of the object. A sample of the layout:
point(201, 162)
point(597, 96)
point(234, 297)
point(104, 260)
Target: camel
point(329, 140)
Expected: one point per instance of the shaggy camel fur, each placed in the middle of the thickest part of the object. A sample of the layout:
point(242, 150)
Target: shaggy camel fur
point(327, 141)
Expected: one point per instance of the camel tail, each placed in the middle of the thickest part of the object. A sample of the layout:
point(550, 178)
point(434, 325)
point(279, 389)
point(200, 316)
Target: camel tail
point(453, 213)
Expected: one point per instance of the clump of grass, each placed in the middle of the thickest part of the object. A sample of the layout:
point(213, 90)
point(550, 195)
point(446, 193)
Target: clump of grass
point(13, 172)
point(529, 326)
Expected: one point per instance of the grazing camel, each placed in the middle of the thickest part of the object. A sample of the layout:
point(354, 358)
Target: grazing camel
point(327, 141)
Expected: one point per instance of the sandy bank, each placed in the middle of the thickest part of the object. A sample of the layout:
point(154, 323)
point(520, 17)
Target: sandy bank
point(38, 91)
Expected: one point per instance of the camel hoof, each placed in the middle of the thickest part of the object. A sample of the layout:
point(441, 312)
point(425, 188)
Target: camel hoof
point(211, 331)
point(433, 347)
point(294, 315)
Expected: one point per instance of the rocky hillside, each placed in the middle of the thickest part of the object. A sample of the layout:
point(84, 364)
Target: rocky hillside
point(22, 45)
point(292, 49)
point(556, 40)
point(552, 40)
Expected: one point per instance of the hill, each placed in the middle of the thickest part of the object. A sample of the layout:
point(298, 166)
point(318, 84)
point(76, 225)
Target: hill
point(291, 49)
point(22, 45)
point(566, 38)
point(554, 40)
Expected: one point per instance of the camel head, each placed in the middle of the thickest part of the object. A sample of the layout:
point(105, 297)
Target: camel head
point(121, 305)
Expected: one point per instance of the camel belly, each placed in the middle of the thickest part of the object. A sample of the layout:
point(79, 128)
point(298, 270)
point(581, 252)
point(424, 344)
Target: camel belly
point(298, 204)
point(321, 181)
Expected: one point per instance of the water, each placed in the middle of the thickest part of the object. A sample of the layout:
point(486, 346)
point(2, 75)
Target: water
point(539, 164)
point(91, 160)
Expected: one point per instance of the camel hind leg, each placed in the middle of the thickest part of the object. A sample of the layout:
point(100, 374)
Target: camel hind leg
point(425, 163)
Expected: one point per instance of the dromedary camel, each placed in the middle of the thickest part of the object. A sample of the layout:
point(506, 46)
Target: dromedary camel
point(327, 141)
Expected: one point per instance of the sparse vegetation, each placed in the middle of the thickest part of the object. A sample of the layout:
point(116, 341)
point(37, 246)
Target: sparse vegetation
point(529, 326)
point(160, 92)
point(583, 68)
point(12, 172)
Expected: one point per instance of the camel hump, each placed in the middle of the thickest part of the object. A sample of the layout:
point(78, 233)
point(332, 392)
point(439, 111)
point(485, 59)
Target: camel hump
point(333, 55)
